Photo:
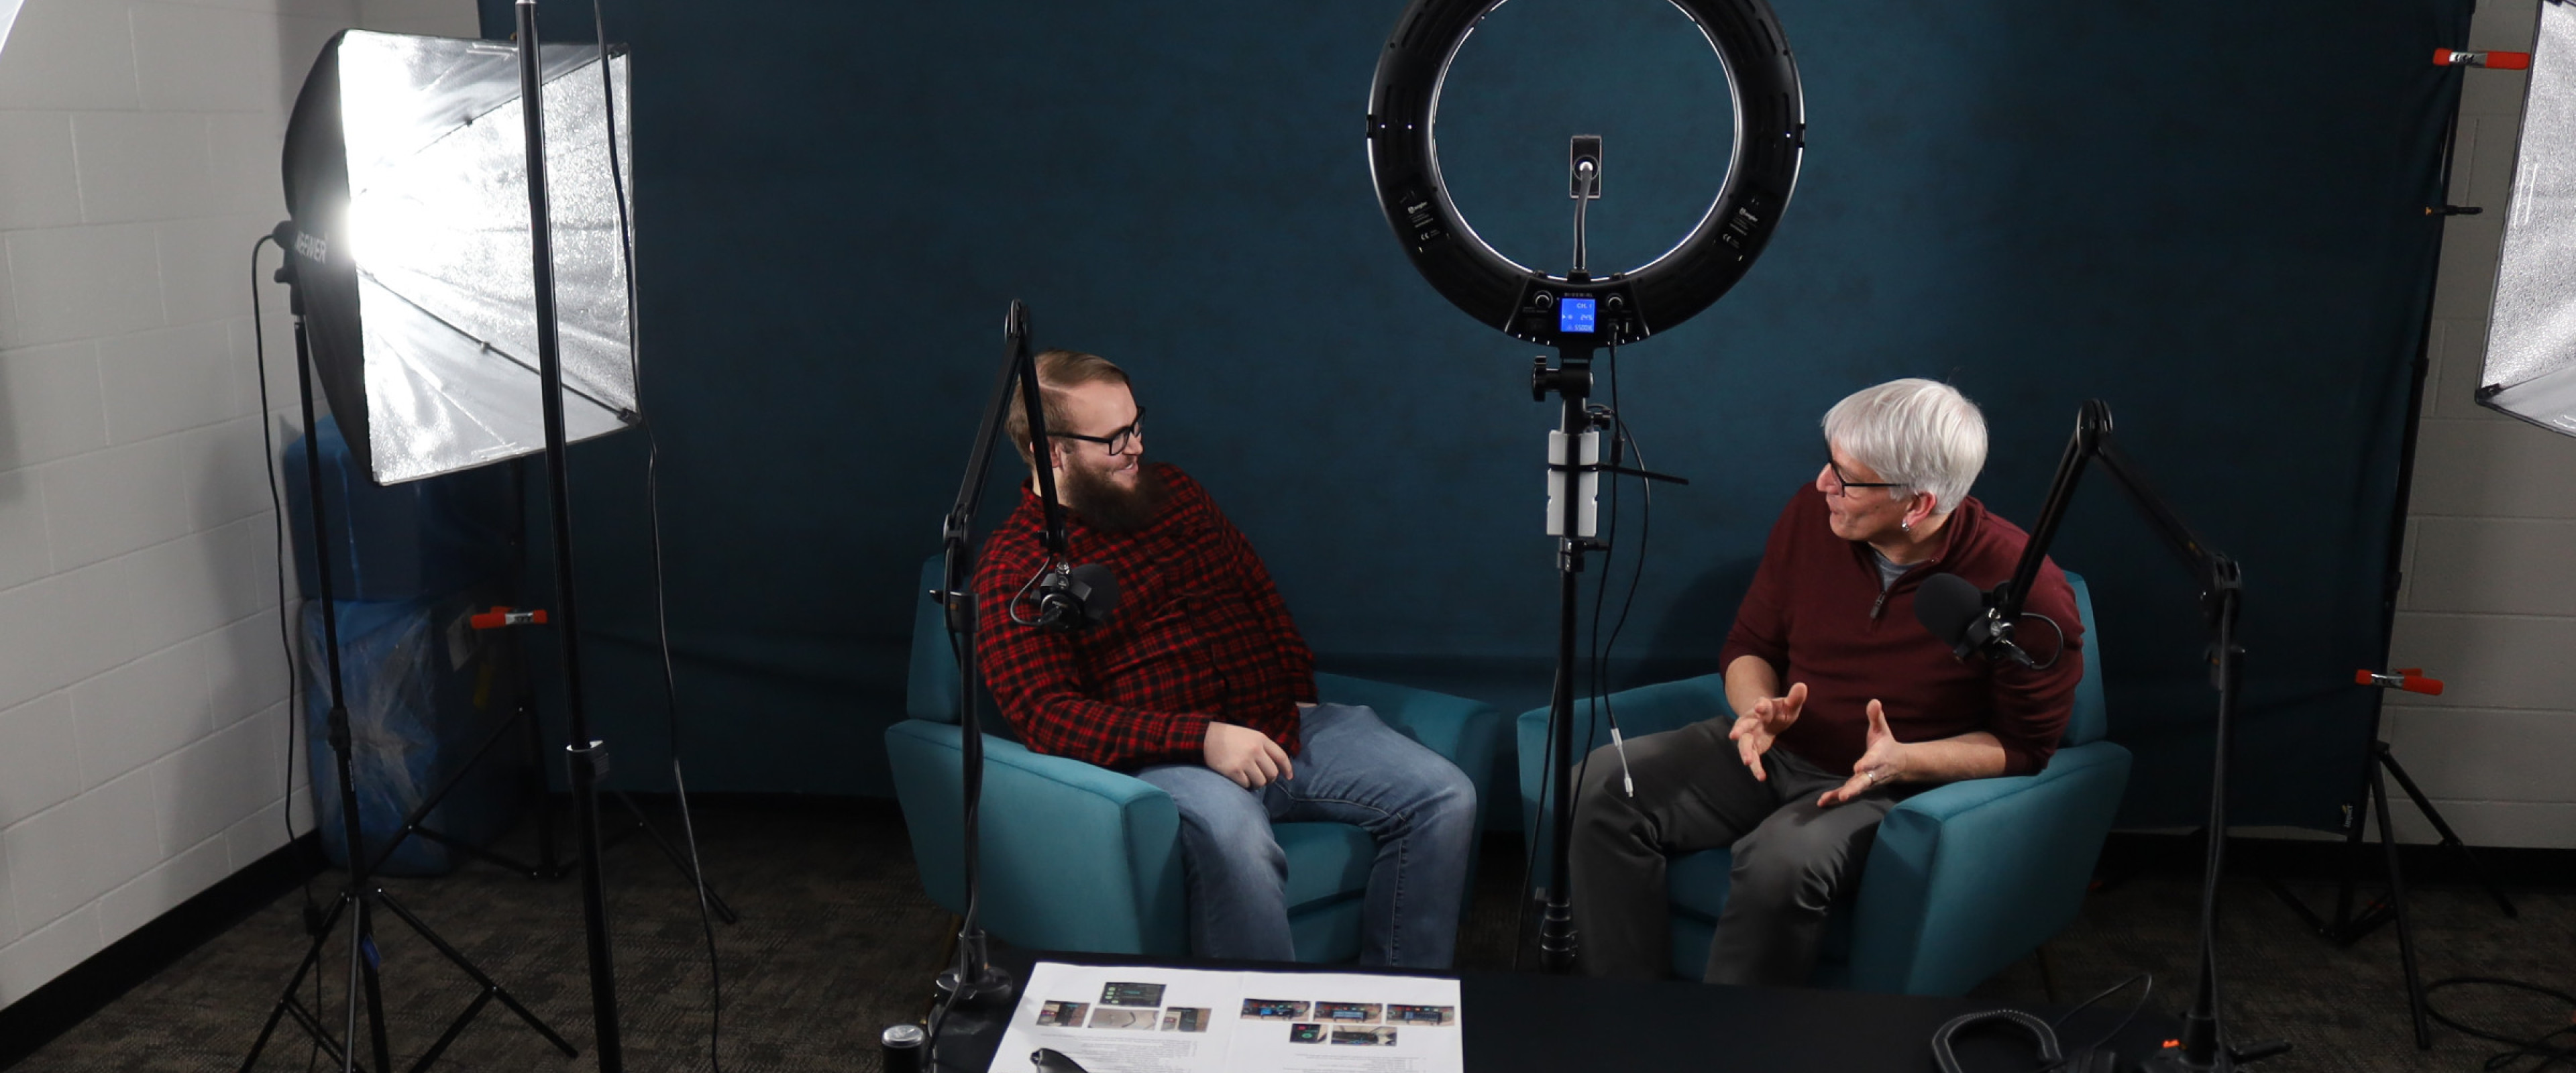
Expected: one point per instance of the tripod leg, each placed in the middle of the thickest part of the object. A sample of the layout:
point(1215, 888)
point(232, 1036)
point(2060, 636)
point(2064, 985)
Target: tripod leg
point(365, 937)
point(455, 1028)
point(2290, 898)
point(412, 824)
point(2352, 852)
point(467, 966)
point(286, 1000)
point(679, 860)
point(2450, 837)
point(2397, 908)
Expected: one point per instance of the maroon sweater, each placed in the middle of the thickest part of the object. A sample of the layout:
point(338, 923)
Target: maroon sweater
point(1817, 615)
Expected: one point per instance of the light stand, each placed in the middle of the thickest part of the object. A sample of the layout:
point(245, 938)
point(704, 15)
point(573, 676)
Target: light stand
point(362, 894)
point(2203, 1042)
point(589, 756)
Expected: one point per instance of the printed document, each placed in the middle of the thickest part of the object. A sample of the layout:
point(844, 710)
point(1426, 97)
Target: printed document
point(1128, 1019)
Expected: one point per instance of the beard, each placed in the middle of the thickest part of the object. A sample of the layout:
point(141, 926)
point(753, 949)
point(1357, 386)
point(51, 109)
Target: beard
point(1110, 507)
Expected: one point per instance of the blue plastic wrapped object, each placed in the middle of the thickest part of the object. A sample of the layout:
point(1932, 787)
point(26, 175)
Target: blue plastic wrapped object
point(412, 540)
point(423, 690)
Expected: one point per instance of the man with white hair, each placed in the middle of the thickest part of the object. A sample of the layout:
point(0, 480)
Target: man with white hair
point(1843, 705)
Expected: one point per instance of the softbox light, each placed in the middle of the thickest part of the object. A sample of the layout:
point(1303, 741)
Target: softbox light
point(2531, 333)
point(406, 175)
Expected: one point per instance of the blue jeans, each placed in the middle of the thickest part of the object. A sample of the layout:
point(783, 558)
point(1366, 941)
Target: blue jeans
point(1350, 769)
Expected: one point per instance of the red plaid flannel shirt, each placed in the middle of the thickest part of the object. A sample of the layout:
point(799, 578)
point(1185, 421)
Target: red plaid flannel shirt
point(1200, 634)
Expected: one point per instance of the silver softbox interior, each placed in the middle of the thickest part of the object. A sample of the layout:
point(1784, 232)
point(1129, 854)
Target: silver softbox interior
point(406, 173)
point(2531, 333)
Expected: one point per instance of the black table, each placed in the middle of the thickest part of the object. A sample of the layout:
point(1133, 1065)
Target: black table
point(1529, 1022)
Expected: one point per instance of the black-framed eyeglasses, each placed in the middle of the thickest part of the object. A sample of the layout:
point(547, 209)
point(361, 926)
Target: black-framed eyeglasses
point(1119, 442)
point(1847, 484)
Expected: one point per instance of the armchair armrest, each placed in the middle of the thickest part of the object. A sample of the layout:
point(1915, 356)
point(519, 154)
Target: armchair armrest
point(1966, 878)
point(1468, 732)
point(1075, 856)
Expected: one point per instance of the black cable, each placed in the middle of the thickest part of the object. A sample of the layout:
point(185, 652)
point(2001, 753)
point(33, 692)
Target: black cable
point(277, 516)
point(2544, 1047)
point(2105, 1037)
point(285, 636)
point(653, 513)
point(1645, 534)
point(2061, 639)
point(2043, 1034)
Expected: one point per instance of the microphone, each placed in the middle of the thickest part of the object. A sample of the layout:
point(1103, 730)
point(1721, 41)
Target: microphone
point(1957, 612)
point(1076, 598)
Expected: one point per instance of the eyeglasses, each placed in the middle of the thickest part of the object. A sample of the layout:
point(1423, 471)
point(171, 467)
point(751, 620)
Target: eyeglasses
point(1119, 442)
point(1843, 484)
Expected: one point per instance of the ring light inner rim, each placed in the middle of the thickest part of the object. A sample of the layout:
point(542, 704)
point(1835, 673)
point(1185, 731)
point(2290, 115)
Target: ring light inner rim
point(1440, 183)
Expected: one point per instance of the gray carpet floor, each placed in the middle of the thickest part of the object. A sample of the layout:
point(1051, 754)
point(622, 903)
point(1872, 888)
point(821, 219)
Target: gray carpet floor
point(837, 941)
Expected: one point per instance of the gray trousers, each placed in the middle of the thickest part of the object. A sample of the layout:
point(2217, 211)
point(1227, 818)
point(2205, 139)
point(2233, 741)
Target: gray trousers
point(1694, 793)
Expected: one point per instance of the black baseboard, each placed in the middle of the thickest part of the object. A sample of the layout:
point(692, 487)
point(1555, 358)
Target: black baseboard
point(751, 802)
point(48, 1011)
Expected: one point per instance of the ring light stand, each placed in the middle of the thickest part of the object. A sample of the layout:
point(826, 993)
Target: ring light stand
point(1577, 313)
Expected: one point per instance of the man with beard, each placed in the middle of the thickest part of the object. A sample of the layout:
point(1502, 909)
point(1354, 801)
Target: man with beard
point(1199, 683)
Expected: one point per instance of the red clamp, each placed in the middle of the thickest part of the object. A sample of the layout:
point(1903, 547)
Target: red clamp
point(2410, 679)
point(2501, 61)
point(499, 617)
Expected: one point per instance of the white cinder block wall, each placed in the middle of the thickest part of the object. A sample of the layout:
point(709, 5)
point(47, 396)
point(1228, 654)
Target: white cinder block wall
point(2490, 600)
point(143, 720)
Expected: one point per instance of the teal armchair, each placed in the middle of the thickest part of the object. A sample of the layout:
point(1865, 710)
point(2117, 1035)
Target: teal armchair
point(1078, 857)
point(1964, 879)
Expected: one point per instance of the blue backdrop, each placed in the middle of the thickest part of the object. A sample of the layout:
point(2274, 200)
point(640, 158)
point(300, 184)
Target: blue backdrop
point(2206, 213)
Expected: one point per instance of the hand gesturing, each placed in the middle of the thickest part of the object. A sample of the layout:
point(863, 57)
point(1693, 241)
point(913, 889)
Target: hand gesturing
point(1882, 763)
point(1755, 730)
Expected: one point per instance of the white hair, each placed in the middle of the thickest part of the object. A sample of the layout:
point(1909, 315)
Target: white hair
point(1921, 434)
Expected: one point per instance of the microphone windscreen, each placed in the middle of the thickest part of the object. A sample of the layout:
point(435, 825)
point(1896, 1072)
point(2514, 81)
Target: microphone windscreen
point(1103, 584)
point(1946, 604)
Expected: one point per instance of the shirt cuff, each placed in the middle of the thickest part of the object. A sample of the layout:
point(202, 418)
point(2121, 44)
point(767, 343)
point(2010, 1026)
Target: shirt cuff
point(1186, 734)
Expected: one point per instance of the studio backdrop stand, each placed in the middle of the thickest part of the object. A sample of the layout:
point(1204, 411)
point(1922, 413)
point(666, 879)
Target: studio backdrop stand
point(2203, 1045)
point(2379, 763)
point(362, 895)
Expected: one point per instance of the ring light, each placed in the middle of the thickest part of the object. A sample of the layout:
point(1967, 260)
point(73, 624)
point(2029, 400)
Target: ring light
point(1623, 307)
